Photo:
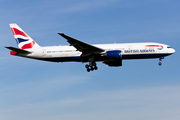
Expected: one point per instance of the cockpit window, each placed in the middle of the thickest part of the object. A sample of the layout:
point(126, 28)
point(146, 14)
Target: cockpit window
point(168, 47)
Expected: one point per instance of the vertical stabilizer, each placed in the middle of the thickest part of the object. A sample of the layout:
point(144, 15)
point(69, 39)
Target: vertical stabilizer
point(22, 39)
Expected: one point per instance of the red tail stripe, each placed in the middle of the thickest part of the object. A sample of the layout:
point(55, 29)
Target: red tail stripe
point(13, 52)
point(28, 46)
point(154, 46)
point(18, 32)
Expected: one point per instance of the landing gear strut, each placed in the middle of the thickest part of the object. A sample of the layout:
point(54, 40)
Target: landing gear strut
point(160, 59)
point(91, 67)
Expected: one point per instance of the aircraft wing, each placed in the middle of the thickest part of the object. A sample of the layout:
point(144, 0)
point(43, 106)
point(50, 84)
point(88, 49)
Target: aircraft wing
point(81, 46)
point(18, 50)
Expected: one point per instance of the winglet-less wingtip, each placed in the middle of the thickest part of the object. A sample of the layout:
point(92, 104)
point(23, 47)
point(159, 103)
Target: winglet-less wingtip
point(61, 33)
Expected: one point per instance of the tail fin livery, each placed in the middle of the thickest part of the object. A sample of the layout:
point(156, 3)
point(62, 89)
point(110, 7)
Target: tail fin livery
point(22, 39)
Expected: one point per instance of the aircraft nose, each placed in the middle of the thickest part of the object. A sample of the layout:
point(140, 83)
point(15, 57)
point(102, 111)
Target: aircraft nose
point(172, 50)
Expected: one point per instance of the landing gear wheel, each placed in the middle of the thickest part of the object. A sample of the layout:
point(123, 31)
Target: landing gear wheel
point(94, 64)
point(95, 67)
point(159, 63)
point(87, 66)
point(91, 67)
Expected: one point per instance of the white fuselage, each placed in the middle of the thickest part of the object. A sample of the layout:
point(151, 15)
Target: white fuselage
point(128, 51)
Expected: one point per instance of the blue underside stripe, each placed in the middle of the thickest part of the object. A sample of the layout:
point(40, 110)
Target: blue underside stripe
point(78, 58)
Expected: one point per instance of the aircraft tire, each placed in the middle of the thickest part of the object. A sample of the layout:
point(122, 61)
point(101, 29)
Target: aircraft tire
point(92, 68)
point(159, 63)
point(95, 67)
point(86, 65)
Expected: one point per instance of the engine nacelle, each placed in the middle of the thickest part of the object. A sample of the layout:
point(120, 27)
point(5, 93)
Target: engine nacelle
point(114, 54)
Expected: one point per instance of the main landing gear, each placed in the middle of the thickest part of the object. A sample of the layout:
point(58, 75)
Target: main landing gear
point(160, 59)
point(91, 67)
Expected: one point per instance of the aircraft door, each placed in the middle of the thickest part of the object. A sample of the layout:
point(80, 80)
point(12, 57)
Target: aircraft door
point(44, 52)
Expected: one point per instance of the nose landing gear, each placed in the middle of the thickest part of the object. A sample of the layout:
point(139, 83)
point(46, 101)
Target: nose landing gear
point(160, 59)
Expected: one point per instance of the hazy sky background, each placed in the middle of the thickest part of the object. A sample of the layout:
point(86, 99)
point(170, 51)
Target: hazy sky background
point(139, 90)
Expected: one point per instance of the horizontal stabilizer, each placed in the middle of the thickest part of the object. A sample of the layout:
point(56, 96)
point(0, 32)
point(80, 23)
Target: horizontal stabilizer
point(18, 50)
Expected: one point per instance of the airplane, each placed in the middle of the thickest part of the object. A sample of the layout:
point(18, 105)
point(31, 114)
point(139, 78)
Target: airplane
point(78, 51)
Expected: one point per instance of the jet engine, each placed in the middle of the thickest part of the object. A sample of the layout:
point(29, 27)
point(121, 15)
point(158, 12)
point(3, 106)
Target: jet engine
point(115, 58)
point(114, 54)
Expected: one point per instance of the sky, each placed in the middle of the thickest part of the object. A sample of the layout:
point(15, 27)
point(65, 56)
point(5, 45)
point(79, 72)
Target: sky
point(140, 89)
